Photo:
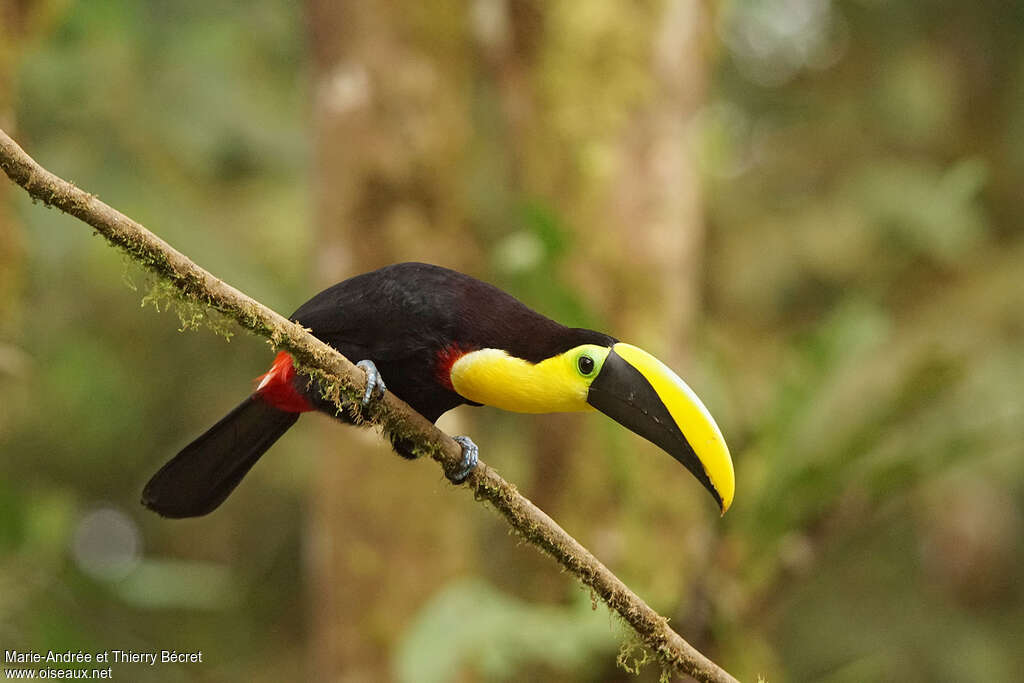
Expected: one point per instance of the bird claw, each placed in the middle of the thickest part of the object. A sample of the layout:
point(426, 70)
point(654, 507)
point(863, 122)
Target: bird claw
point(374, 382)
point(470, 457)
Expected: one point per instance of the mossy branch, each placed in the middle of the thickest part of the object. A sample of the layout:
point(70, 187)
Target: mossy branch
point(196, 286)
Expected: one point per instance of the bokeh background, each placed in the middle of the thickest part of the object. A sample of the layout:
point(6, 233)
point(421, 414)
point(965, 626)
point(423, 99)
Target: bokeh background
point(810, 208)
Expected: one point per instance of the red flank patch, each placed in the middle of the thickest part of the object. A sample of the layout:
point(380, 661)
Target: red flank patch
point(276, 386)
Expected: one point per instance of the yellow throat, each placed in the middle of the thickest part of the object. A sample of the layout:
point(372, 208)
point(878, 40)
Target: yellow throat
point(554, 385)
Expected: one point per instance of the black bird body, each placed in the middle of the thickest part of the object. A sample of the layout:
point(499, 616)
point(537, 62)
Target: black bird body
point(442, 339)
point(411, 319)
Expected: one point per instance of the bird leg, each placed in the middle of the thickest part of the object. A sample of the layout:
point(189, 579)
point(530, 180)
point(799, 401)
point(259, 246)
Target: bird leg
point(470, 451)
point(374, 382)
point(470, 456)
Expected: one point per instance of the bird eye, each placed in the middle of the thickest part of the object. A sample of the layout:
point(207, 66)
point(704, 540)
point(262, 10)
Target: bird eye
point(585, 364)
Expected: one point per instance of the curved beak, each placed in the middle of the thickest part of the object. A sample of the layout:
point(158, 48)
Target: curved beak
point(643, 395)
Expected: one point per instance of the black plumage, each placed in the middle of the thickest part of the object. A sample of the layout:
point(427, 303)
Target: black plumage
point(402, 317)
point(205, 472)
point(411, 320)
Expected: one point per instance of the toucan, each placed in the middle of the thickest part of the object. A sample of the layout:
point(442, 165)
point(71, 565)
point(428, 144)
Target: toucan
point(442, 339)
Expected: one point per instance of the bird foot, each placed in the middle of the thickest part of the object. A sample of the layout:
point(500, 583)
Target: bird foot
point(470, 457)
point(374, 382)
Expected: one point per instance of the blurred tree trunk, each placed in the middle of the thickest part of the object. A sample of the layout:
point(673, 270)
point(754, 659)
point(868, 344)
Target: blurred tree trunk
point(656, 194)
point(391, 102)
point(13, 15)
point(604, 141)
point(509, 38)
point(656, 206)
point(18, 19)
point(388, 92)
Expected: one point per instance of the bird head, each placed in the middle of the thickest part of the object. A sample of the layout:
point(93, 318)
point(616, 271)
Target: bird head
point(620, 380)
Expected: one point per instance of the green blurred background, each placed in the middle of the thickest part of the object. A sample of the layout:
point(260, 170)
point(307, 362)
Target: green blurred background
point(810, 208)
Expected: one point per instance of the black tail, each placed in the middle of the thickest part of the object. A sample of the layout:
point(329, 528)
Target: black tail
point(206, 471)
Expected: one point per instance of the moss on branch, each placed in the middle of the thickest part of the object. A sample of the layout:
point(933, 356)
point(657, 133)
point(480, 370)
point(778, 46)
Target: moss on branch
point(194, 290)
